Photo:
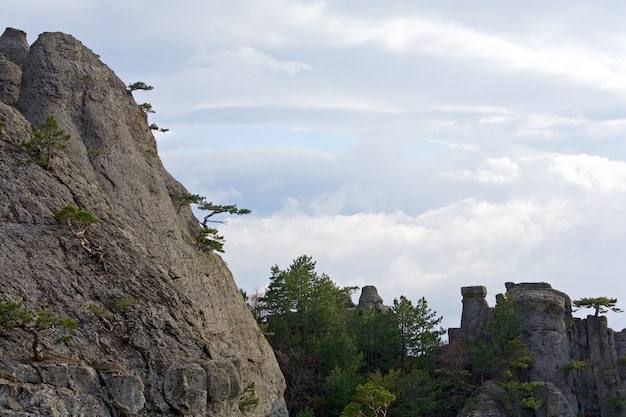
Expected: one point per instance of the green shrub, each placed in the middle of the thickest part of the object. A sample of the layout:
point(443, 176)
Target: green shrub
point(46, 139)
point(125, 303)
point(13, 315)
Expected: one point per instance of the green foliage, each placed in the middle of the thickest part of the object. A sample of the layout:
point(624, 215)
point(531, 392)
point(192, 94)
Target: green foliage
point(208, 238)
point(187, 199)
point(303, 305)
point(521, 395)
point(311, 326)
point(378, 338)
point(13, 315)
point(139, 85)
point(419, 330)
point(45, 140)
point(306, 412)
point(125, 303)
point(501, 351)
point(154, 126)
point(87, 80)
point(215, 209)
point(249, 400)
point(599, 304)
point(77, 220)
point(1, 128)
point(339, 389)
point(574, 365)
point(146, 108)
point(326, 349)
point(387, 380)
point(514, 357)
point(369, 400)
point(96, 310)
point(614, 405)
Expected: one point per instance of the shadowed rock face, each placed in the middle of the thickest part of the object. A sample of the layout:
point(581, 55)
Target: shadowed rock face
point(556, 339)
point(186, 344)
point(13, 50)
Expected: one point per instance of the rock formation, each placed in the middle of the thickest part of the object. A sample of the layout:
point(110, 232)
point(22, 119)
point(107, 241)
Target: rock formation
point(370, 299)
point(162, 328)
point(597, 387)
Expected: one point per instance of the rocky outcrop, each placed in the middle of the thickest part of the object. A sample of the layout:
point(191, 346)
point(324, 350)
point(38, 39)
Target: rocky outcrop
point(488, 402)
point(162, 328)
point(370, 299)
point(13, 50)
point(596, 386)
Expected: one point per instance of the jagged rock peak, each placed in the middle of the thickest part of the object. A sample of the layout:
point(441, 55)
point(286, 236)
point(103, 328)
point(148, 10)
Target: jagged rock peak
point(162, 328)
point(13, 45)
point(370, 299)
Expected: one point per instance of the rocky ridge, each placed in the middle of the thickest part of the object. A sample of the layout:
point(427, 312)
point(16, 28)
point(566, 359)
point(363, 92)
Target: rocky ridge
point(556, 339)
point(162, 328)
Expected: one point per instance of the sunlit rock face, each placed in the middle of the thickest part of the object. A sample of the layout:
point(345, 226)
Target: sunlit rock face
point(162, 328)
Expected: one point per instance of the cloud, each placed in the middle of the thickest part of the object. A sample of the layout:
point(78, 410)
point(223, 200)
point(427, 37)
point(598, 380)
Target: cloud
point(248, 57)
point(401, 254)
point(498, 170)
point(591, 172)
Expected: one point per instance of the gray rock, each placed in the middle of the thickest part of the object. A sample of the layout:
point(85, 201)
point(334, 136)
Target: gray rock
point(490, 401)
point(185, 388)
point(13, 45)
point(111, 168)
point(486, 403)
point(370, 299)
point(556, 339)
point(125, 393)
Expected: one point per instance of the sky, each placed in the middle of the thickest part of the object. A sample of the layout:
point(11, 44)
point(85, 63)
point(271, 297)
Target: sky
point(416, 146)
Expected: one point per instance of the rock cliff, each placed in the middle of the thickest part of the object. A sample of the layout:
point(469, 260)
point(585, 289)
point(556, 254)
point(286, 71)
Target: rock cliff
point(596, 386)
point(162, 329)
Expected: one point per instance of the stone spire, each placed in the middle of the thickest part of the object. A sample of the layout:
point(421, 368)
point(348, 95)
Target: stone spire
point(370, 299)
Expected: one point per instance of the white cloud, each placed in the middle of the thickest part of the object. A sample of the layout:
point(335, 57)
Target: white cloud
point(591, 172)
point(497, 170)
point(248, 58)
point(400, 254)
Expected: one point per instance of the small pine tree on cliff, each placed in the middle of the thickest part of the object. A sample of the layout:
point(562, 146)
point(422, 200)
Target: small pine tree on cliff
point(45, 140)
point(13, 315)
point(599, 304)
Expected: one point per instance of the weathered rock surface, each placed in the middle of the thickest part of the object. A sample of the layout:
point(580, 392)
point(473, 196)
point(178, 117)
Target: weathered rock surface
point(556, 340)
point(370, 299)
point(186, 344)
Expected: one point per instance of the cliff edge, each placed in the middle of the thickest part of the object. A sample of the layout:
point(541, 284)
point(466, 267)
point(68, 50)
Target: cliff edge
point(162, 328)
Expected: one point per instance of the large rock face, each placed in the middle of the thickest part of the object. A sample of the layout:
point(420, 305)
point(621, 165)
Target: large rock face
point(596, 386)
point(162, 328)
